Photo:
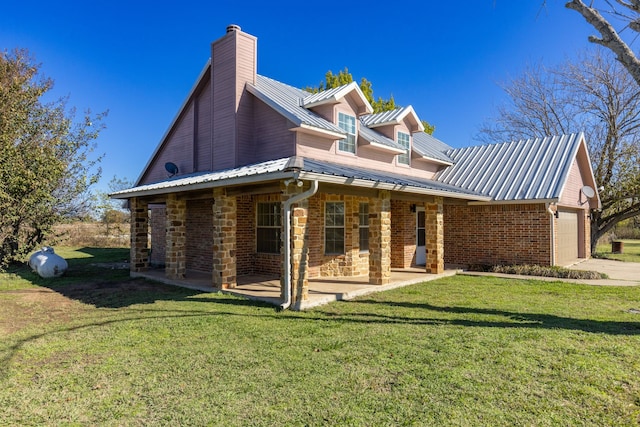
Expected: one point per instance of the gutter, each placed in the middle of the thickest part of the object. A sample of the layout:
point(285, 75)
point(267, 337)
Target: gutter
point(552, 215)
point(287, 239)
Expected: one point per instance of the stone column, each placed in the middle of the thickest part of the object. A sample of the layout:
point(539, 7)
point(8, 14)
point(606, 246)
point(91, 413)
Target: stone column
point(176, 257)
point(299, 253)
point(224, 239)
point(139, 235)
point(434, 230)
point(380, 239)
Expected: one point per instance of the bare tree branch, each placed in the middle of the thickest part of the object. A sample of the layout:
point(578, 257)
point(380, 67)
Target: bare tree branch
point(609, 36)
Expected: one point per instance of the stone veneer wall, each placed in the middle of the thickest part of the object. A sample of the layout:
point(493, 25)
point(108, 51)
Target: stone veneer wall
point(224, 239)
point(497, 234)
point(139, 251)
point(352, 262)
point(434, 230)
point(380, 239)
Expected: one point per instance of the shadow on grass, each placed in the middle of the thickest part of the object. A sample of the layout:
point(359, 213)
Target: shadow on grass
point(513, 319)
point(91, 280)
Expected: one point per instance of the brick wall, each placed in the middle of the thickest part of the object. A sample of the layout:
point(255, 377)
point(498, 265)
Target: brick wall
point(199, 245)
point(158, 220)
point(497, 234)
point(403, 234)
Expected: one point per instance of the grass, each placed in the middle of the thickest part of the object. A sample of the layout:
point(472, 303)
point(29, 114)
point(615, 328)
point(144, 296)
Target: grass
point(98, 348)
point(630, 252)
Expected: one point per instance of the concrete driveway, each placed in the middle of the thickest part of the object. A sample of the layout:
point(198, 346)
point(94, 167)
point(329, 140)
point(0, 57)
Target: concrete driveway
point(620, 273)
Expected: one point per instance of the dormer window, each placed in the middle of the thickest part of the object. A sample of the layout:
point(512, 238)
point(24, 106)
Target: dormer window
point(404, 141)
point(348, 124)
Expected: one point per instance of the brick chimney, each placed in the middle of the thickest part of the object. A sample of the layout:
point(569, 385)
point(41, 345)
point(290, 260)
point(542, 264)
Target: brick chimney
point(233, 60)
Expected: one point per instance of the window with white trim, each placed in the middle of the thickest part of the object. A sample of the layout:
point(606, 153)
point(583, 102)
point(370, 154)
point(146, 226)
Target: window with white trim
point(334, 228)
point(363, 216)
point(404, 140)
point(348, 124)
point(268, 227)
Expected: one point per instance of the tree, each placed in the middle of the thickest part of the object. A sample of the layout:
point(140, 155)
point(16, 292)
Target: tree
point(379, 105)
point(45, 164)
point(112, 211)
point(595, 95)
point(624, 13)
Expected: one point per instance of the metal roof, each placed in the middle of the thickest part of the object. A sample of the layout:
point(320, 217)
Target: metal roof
point(377, 138)
point(387, 180)
point(535, 169)
point(207, 179)
point(431, 148)
point(307, 169)
point(391, 117)
point(334, 94)
point(287, 100)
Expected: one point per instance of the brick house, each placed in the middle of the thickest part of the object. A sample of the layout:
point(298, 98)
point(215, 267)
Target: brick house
point(257, 177)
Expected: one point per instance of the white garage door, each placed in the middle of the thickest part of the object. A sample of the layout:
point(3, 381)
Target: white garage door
point(567, 238)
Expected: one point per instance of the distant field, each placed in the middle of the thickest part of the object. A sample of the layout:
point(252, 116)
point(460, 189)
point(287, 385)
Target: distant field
point(630, 253)
point(93, 234)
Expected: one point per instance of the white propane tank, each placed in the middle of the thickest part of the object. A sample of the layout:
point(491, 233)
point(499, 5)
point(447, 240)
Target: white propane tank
point(47, 263)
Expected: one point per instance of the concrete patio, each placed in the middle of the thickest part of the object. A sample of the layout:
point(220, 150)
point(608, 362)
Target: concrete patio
point(321, 290)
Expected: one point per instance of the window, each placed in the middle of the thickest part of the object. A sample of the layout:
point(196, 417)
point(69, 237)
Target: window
point(403, 139)
point(363, 214)
point(334, 228)
point(268, 228)
point(348, 124)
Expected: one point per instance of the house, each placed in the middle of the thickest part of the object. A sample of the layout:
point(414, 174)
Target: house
point(257, 177)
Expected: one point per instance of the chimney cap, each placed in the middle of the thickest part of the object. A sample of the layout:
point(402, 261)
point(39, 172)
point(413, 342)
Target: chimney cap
point(233, 27)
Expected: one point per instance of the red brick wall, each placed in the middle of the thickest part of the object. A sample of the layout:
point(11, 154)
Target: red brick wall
point(403, 234)
point(158, 221)
point(199, 231)
point(497, 234)
point(245, 235)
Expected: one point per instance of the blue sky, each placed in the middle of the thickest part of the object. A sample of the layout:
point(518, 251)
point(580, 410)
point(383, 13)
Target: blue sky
point(139, 59)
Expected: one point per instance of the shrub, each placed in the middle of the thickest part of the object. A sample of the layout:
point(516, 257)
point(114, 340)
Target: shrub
point(540, 271)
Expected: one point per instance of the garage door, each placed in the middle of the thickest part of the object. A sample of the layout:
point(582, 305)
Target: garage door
point(567, 238)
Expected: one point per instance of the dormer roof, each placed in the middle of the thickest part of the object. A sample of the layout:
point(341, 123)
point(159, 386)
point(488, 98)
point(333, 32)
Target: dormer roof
point(431, 149)
point(334, 95)
point(394, 117)
point(378, 141)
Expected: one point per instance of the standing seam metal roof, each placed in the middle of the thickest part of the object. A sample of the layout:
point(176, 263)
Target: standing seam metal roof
point(535, 169)
point(288, 101)
point(428, 146)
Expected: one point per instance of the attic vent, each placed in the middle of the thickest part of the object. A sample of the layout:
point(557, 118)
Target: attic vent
point(233, 27)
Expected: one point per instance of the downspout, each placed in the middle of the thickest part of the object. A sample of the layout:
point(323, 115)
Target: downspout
point(552, 215)
point(287, 239)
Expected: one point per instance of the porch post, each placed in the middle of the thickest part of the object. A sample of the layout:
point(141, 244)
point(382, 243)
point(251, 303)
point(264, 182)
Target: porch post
point(224, 239)
point(139, 252)
point(176, 257)
point(299, 253)
point(380, 239)
point(434, 230)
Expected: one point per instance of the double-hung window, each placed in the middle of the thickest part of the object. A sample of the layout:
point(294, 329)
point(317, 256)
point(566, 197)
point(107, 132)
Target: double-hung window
point(404, 141)
point(348, 124)
point(363, 215)
point(268, 228)
point(334, 228)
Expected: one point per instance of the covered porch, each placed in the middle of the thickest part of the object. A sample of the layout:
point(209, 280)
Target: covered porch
point(322, 290)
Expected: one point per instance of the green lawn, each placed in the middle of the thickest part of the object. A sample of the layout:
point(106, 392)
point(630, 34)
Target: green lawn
point(630, 252)
point(99, 349)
